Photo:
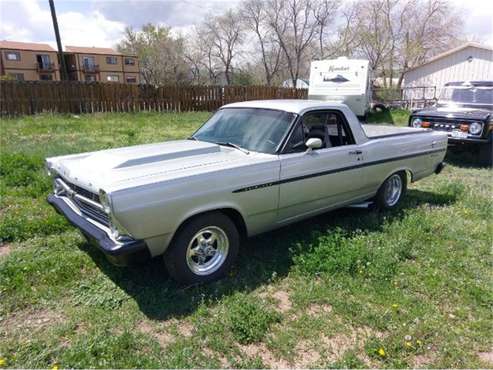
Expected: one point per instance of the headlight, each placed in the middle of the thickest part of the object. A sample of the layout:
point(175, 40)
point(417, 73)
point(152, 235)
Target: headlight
point(105, 201)
point(416, 123)
point(49, 169)
point(475, 128)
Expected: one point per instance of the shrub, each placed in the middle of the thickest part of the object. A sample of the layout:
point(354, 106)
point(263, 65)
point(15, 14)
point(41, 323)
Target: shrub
point(249, 321)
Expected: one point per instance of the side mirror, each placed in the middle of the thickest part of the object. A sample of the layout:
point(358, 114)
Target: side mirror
point(313, 143)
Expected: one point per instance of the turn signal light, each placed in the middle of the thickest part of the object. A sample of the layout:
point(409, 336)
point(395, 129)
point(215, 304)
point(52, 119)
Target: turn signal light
point(426, 124)
point(464, 128)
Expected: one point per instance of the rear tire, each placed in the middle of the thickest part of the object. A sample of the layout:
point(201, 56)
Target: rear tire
point(203, 250)
point(392, 190)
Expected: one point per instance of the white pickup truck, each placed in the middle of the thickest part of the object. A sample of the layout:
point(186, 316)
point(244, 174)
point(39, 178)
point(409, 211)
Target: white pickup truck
point(252, 167)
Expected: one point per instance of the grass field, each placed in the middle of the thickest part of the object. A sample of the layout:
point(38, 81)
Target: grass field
point(351, 288)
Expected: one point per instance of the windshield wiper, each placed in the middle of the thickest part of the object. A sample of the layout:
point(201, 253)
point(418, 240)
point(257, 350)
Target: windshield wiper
point(234, 146)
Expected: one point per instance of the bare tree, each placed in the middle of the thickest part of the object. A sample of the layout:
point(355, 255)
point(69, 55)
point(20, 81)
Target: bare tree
point(161, 55)
point(226, 35)
point(294, 24)
point(324, 13)
point(204, 66)
point(429, 28)
point(257, 20)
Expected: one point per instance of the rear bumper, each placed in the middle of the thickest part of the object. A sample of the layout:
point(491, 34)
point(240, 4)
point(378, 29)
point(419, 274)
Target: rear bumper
point(117, 252)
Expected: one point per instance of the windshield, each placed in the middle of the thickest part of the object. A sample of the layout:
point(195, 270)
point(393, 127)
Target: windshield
point(467, 95)
point(258, 130)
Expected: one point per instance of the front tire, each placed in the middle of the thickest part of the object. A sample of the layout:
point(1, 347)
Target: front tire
point(203, 250)
point(391, 191)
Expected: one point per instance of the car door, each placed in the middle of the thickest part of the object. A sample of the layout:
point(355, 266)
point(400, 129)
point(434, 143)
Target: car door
point(311, 181)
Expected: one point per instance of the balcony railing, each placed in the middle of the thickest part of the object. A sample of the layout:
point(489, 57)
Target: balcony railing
point(90, 68)
point(45, 67)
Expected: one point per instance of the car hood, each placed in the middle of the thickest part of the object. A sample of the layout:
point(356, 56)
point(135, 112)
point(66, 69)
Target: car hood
point(454, 112)
point(115, 169)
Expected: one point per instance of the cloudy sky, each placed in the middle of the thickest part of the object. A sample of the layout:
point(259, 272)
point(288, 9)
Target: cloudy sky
point(100, 23)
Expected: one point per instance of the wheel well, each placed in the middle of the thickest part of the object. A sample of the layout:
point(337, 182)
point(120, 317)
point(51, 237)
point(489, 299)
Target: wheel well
point(409, 176)
point(238, 220)
point(407, 173)
point(232, 213)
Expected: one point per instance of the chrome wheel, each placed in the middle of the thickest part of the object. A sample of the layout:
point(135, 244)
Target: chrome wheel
point(207, 250)
point(393, 190)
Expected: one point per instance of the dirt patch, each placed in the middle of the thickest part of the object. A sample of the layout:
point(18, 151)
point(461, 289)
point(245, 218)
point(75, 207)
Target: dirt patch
point(423, 360)
point(185, 329)
point(284, 303)
point(163, 337)
point(486, 357)
point(331, 348)
point(32, 320)
point(268, 358)
point(5, 250)
point(318, 309)
point(306, 355)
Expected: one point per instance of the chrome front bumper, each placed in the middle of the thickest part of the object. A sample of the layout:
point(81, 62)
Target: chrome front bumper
point(117, 251)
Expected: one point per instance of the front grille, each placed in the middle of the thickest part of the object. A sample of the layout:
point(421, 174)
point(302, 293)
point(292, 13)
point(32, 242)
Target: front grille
point(445, 125)
point(87, 202)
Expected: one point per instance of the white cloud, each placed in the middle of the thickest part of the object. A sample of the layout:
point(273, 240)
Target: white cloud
point(478, 19)
point(89, 30)
point(26, 20)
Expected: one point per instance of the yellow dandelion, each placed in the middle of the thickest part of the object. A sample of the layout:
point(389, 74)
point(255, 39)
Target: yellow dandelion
point(395, 306)
point(3, 362)
point(418, 342)
point(381, 352)
point(54, 367)
point(409, 344)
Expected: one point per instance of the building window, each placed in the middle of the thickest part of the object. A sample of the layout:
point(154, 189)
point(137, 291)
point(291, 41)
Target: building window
point(89, 78)
point(131, 79)
point(13, 55)
point(46, 77)
point(129, 61)
point(111, 60)
point(17, 76)
point(112, 78)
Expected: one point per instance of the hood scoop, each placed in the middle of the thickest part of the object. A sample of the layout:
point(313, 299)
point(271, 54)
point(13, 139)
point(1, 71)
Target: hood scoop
point(151, 158)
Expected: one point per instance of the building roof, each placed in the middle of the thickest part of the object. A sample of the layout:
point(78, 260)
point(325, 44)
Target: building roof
point(91, 50)
point(298, 106)
point(452, 51)
point(4, 44)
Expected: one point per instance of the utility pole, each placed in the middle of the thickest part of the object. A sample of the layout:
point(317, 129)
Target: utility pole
point(63, 70)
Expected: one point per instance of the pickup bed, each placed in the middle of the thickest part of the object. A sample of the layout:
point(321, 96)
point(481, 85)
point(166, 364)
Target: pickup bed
point(252, 167)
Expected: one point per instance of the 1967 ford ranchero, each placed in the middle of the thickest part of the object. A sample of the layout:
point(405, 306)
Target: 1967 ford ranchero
point(252, 167)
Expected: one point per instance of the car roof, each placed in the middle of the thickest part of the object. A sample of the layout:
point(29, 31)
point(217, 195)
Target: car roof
point(297, 106)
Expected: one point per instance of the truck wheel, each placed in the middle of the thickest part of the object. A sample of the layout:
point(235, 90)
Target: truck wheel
point(391, 191)
point(486, 154)
point(203, 250)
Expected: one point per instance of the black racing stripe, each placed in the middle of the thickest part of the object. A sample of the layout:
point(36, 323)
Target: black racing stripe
point(329, 172)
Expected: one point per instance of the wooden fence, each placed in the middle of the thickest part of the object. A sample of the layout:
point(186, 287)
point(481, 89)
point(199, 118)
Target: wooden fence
point(31, 97)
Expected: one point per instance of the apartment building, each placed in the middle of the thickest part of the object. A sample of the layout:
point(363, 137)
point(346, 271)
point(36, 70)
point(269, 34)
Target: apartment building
point(101, 64)
point(28, 61)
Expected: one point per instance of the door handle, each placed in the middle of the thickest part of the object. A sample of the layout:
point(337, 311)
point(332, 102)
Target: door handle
point(433, 144)
point(355, 152)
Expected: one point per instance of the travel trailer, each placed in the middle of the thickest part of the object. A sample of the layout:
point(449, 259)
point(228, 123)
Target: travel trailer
point(342, 80)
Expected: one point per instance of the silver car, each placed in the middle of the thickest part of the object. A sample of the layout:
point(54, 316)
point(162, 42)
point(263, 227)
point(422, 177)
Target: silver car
point(252, 167)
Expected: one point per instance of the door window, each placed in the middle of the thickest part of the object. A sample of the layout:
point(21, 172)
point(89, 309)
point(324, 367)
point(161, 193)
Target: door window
point(329, 127)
